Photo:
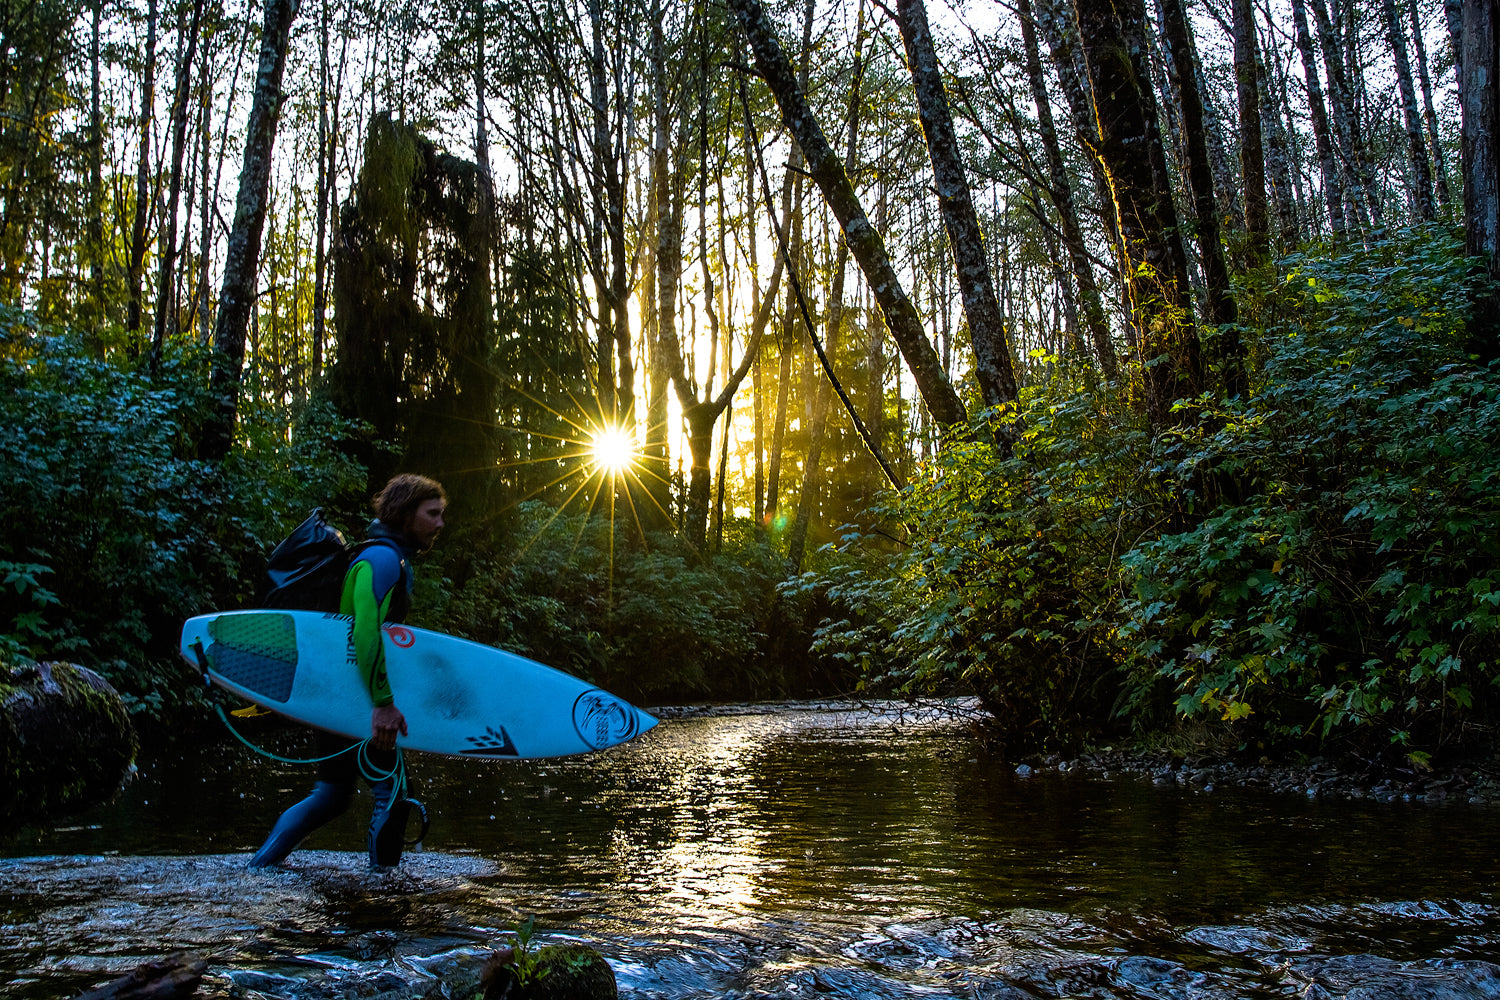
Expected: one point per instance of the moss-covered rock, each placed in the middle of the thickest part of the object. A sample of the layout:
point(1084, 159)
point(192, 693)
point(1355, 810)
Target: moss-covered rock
point(562, 972)
point(66, 741)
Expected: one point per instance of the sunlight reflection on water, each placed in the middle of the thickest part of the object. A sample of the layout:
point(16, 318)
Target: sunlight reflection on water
point(768, 852)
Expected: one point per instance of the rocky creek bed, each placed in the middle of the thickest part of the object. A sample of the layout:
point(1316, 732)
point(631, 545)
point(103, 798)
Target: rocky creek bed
point(1474, 781)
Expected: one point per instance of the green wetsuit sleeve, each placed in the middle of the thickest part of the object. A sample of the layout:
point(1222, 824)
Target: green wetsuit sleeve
point(369, 649)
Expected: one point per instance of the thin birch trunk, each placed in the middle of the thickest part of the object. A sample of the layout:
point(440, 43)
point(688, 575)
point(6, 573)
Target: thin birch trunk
point(1429, 113)
point(166, 309)
point(1416, 146)
point(237, 293)
point(1333, 187)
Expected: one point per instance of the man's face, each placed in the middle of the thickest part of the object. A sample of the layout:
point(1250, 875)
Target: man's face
point(425, 523)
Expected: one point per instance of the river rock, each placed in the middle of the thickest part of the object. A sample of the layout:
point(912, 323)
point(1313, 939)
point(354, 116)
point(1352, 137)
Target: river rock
point(563, 972)
point(170, 978)
point(66, 741)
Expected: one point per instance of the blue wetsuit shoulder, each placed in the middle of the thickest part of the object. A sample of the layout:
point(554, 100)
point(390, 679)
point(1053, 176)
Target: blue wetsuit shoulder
point(385, 563)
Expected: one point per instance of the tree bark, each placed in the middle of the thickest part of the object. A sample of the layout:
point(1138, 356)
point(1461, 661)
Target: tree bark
point(237, 293)
point(1416, 146)
point(1333, 188)
point(1128, 146)
point(865, 243)
point(1481, 166)
point(1060, 188)
point(135, 262)
point(166, 309)
point(993, 369)
point(1182, 53)
point(1252, 155)
point(1429, 113)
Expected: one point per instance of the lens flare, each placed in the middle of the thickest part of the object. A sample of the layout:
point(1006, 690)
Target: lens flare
point(612, 450)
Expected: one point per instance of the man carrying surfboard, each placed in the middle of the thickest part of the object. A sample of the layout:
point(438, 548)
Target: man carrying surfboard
point(377, 590)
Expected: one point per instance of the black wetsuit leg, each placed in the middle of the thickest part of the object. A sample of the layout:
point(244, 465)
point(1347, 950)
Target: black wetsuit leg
point(331, 795)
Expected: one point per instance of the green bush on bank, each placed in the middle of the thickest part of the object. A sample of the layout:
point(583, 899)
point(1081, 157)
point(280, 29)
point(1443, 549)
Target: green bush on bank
point(115, 532)
point(1356, 586)
point(1321, 560)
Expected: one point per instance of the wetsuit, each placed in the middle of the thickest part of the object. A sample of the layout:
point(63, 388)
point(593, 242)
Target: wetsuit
point(377, 590)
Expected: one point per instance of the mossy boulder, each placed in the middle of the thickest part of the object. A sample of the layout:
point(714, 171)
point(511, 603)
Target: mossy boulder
point(66, 741)
point(562, 972)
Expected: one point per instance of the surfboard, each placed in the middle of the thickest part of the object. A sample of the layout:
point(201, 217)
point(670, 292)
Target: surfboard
point(460, 698)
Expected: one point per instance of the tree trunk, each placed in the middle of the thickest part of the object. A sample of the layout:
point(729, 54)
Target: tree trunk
point(1333, 188)
point(1416, 146)
point(993, 369)
point(96, 175)
point(1060, 188)
point(166, 307)
point(1218, 299)
point(237, 293)
point(1128, 146)
point(1346, 129)
point(136, 261)
point(1481, 166)
point(1252, 156)
point(865, 243)
point(812, 471)
point(1429, 113)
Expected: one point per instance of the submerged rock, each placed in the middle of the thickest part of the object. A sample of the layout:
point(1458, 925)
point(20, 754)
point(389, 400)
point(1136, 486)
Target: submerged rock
point(66, 741)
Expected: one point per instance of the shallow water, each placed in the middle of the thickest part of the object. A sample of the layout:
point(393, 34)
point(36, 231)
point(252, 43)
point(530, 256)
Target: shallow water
point(769, 853)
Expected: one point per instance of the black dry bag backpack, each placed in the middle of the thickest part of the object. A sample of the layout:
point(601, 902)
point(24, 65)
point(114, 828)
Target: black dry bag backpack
point(306, 571)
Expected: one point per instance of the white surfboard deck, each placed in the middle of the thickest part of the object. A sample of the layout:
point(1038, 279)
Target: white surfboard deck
point(460, 698)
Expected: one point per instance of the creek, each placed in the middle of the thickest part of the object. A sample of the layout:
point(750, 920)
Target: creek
point(767, 851)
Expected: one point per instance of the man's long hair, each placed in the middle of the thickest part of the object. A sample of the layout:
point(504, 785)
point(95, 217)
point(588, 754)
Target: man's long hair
point(403, 495)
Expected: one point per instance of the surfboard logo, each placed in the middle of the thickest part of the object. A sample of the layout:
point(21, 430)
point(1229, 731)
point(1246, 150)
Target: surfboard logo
point(602, 720)
point(401, 636)
point(494, 743)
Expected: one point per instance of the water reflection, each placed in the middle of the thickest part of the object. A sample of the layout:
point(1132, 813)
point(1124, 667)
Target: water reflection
point(770, 854)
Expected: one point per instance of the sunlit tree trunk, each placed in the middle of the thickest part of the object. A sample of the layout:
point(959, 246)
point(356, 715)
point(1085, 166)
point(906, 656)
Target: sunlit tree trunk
point(1129, 148)
point(237, 293)
point(992, 363)
point(1060, 189)
point(166, 306)
point(865, 243)
point(136, 259)
point(813, 469)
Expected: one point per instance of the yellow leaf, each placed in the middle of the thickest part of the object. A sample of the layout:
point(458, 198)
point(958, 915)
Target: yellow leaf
point(250, 712)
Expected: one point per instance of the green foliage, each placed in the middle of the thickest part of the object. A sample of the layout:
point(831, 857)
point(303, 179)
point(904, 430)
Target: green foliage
point(583, 594)
point(1320, 560)
point(115, 531)
point(524, 963)
point(1006, 589)
point(1358, 581)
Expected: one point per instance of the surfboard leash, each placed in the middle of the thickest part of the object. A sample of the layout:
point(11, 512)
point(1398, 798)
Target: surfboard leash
point(367, 767)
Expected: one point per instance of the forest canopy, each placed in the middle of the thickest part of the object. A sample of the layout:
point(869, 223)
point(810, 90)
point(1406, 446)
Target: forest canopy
point(1124, 365)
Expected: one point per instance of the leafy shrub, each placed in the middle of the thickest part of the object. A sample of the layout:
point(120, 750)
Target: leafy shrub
point(114, 520)
point(1358, 582)
point(581, 593)
point(1006, 588)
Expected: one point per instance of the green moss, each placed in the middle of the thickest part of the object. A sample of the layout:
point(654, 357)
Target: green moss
point(66, 741)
